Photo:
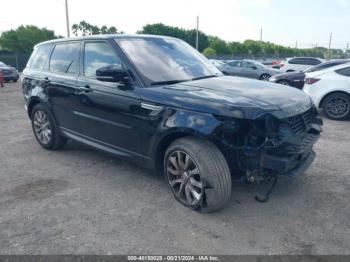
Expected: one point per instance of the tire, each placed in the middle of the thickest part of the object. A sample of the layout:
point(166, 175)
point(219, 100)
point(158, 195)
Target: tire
point(336, 106)
point(207, 173)
point(50, 136)
point(264, 77)
point(284, 82)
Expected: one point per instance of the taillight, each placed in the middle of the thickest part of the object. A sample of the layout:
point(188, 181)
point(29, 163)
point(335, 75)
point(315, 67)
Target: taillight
point(311, 81)
point(281, 65)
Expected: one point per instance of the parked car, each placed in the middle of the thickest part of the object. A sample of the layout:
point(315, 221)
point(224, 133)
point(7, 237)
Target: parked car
point(10, 73)
point(271, 63)
point(297, 79)
point(159, 103)
point(330, 90)
point(299, 63)
point(248, 68)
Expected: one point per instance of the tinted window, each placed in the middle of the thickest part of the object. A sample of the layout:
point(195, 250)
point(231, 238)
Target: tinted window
point(39, 57)
point(97, 55)
point(304, 61)
point(311, 61)
point(65, 58)
point(344, 71)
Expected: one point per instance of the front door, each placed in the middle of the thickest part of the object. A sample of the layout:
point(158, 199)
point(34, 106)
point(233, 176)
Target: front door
point(109, 112)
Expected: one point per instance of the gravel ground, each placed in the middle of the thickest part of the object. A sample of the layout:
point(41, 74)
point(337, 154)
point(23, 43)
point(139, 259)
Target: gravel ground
point(82, 201)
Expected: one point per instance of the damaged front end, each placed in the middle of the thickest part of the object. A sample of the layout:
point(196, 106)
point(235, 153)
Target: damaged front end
point(269, 146)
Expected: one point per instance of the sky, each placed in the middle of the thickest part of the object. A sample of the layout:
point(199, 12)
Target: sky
point(304, 23)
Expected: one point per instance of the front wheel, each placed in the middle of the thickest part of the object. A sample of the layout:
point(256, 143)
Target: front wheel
point(337, 106)
point(198, 174)
point(265, 77)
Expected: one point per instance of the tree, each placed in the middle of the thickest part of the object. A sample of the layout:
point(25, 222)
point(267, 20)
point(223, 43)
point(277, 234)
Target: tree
point(219, 45)
point(24, 38)
point(209, 52)
point(85, 28)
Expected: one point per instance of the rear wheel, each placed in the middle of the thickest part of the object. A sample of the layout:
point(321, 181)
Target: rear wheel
point(45, 129)
point(265, 77)
point(198, 174)
point(337, 106)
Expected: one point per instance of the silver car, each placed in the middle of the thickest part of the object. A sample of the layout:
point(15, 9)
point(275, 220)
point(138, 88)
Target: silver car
point(248, 68)
point(9, 73)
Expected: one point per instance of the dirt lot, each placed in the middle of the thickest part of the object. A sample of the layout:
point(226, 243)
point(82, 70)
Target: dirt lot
point(78, 200)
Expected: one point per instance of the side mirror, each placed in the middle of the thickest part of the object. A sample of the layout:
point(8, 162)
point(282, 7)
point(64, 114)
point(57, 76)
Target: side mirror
point(113, 73)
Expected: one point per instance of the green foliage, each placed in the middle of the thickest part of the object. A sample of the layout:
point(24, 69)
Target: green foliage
point(84, 28)
point(219, 45)
point(209, 52)
point(187, 35)
point(24, 38)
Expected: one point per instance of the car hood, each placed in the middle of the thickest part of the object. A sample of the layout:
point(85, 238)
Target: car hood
point(232, 97)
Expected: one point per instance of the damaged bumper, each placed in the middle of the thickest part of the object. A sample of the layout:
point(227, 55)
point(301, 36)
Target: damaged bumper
point(288, 166)
point(271, 147)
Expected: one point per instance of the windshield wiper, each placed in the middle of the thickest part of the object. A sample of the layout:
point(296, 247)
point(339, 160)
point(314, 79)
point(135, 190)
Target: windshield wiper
point(167, 82)
point(203, 77)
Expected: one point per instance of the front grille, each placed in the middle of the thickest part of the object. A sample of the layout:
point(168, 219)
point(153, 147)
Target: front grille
point(300, 123)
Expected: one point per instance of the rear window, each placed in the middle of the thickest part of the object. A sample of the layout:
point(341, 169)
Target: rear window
point(344, 71)
point(65, 58)
point(304, 61)
point(39, 57)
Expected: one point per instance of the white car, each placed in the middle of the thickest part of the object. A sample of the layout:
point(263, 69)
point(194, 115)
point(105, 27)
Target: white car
point(330, 90)
point(298, 64)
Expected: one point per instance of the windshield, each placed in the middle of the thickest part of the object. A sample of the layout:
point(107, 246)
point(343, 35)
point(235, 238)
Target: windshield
point(166, 60)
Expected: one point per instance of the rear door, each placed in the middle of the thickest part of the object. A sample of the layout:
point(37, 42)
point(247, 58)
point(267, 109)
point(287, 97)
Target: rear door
point(60, 84)
point(249, 70)
point(233, 68)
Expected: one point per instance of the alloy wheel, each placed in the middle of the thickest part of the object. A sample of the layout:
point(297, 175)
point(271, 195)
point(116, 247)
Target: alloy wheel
point(337, 107)
point(184, 178)
point(42, 127)
point(265, 77)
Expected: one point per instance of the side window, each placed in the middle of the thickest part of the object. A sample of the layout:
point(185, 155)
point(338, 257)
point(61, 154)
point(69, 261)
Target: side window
point(247, 65)
point(235, 64)
point(311, 61)
point(294, 61)
point(65, 58)
point(39, 57)
point(344, 71)
point(98, 55)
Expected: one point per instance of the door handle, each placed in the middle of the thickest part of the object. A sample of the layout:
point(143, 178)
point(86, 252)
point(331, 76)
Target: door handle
point(84, 89)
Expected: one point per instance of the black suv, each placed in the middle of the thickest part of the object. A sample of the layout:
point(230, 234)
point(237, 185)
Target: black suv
point(159, 103)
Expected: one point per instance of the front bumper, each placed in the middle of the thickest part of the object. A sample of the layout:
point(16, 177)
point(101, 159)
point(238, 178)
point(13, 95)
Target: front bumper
point(288, 166)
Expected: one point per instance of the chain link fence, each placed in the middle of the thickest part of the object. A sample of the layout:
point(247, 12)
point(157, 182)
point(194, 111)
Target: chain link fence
point(18, 61)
